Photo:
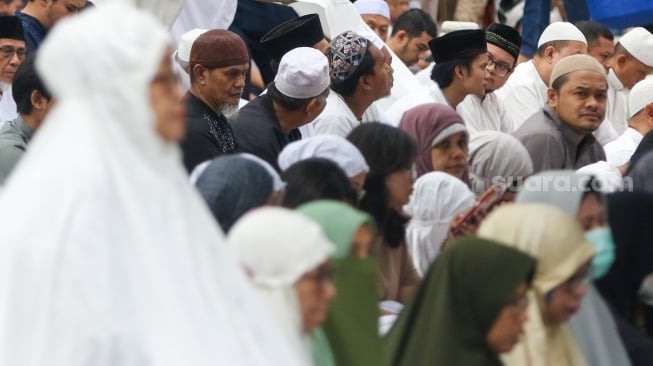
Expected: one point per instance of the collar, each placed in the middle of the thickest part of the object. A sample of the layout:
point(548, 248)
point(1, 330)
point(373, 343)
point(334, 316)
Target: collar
point(634, 135)
point(613, 81)
point(25, 131)
point(572, 138)
point(193, 102)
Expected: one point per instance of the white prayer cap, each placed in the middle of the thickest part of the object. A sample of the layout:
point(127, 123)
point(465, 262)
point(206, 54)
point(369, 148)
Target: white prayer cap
point(303, 73)
point(561, 31)
point(640, 95)
point(639, 43)
point(334, 148)
point(186, 43)
point(449, 26)
point(377, 7)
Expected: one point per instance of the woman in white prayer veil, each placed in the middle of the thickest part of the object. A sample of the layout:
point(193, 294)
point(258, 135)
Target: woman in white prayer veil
point(108, 256)
point(436, 200)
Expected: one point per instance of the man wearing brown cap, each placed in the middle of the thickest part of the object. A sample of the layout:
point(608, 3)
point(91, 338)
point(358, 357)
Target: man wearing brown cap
point(218, 64)
point(559, 136)
point(359, 75)
point(12, 54)
point(487, 112)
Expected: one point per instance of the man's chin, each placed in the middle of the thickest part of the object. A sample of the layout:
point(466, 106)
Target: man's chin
point(230, 110)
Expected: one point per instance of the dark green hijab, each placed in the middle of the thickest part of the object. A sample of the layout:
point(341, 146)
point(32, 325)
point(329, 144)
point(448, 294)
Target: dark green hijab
point(352, 324)
point(456, 305)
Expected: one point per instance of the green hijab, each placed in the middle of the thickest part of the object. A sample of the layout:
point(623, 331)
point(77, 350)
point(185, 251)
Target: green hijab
point(351, 326)
point(456, 305)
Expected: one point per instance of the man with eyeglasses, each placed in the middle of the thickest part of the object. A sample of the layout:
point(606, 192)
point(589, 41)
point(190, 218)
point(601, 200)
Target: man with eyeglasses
point(12, 54)
point(487, 112)
point(39, 16)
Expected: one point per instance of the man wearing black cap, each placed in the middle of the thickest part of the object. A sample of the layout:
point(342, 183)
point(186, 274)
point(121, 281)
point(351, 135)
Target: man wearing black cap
point(219, 61)
point(482, 113)
point(305, 31)
point(460, 69)
point(12, 54)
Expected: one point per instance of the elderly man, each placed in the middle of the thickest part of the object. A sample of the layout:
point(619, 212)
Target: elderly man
point(34, 102)
point(376, 14)
point(296, 96)
point(487, 112)
point(559, 136)
point(218, 63)
point(39, 16)
point(525, 92)
point(620, 150)
point(411, 34)
point(12, 53)
point(360, 75)
point(461, 61)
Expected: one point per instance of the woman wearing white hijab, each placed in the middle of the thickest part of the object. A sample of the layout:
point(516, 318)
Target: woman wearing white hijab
point(108, 256)
point(287, 256)
point(436, 199)
point(563, 256)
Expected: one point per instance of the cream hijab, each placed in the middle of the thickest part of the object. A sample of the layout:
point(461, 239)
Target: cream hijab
point(558, 243)
point(108, 256)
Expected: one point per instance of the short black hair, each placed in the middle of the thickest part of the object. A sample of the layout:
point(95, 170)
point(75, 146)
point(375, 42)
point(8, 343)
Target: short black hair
point(414, 22)
point(348, 87)
point(386, 150)
point(291, 104)
point(25, 82)
point(314, 179)
point(443, 72)
point(593, 31)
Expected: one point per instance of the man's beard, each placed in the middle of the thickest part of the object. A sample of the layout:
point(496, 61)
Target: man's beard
point(230, 110)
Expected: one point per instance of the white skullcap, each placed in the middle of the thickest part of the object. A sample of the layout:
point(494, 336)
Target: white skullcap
point(377, 7)
point(277, 183)
point(303, 73)
point(608, 176)
point(639, 43)
point(640, 95)
point(186, 43)
point(561, 31)
point(449, 26)
point(335, 148)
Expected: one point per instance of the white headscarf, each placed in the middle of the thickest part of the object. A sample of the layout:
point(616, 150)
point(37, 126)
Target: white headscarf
point(334, 148)
point(495, 154)
point(609, 176)
point(436, 200)
point(108, 256)
point(278, 246)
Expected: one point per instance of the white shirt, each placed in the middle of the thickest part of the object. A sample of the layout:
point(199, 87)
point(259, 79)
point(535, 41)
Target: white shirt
point(431, 95)
point(619, 151)
point(485, 114)
point(8, 108)
point(616, 109)
point(524, 93)
point(338, 119)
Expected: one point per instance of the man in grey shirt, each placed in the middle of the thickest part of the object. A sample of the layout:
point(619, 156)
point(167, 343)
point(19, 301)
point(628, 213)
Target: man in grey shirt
point(33, 102)
point(559, 136)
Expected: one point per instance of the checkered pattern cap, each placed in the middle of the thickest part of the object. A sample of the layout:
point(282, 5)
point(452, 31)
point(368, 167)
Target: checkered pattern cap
point(345, 55)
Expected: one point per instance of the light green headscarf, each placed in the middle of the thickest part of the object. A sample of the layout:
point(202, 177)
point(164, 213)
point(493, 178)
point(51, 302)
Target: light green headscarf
point(351, 326)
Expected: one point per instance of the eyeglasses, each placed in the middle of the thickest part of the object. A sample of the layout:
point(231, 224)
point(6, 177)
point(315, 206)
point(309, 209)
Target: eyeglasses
point(500, 68)
point(8, 52)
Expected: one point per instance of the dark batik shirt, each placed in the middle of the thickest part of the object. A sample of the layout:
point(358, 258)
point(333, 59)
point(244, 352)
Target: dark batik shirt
point(208, 134)
point(34, 32)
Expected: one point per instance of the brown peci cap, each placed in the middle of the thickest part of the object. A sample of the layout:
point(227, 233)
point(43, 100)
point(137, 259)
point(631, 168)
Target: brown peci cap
point(218, 48)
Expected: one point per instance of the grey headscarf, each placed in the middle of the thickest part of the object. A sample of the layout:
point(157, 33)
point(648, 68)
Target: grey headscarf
point(642, 174)
point(496, 154)
point(593, 325)
point(232, 185)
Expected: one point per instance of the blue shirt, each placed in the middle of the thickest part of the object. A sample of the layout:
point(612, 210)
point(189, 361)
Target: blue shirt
point(34, 31)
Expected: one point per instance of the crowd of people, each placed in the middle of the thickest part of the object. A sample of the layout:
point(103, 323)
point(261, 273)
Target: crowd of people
point(403, 192)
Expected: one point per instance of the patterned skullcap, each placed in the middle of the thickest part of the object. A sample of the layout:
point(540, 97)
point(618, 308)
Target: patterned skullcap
point(345, 55)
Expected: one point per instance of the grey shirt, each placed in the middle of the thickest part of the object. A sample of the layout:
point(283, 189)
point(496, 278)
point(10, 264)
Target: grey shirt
point(14, 136)
point(553, 145)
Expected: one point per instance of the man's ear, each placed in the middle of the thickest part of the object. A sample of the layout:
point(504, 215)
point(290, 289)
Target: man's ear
point(199, 73)
point(549, 51)
point(552, 98)
point(39, 102)
point(401, 36)
point(459, 71)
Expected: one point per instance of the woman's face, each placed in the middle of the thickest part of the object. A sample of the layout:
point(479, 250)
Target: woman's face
point(166, 102)
point(509, 324)
point(450, 155)
point(564, 301)
point(591, 214)
point(361, 242)
point(399, 185)
point(315, 290)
